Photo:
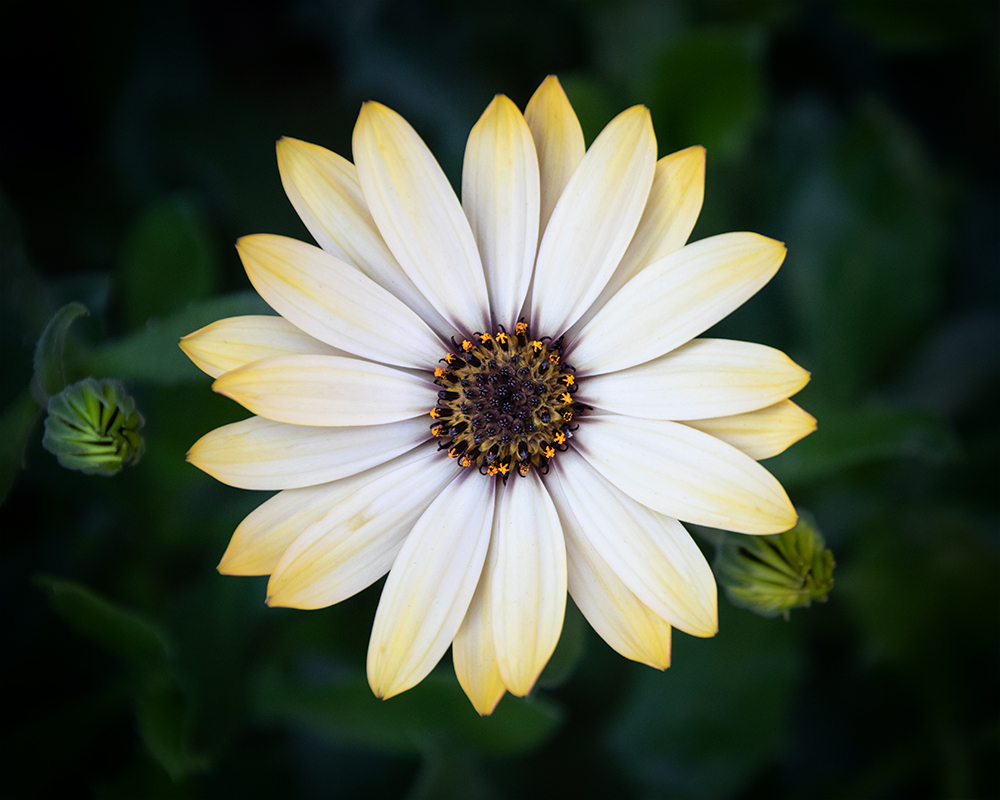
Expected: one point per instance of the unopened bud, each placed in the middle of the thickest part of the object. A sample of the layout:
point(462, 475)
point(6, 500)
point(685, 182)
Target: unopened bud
point(93, 426)
point(771, 575)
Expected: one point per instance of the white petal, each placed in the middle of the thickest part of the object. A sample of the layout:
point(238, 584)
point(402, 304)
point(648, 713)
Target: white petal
point(763, 433)
point(667, 221)
point(672, 301)
point(419, 217)
point(652, 554)
point(703, 378)
point(324, 189)
point(327, 390)
point(473, 652)
point(626, 623)
point(231, 343)
point(329, 299)
point(500, 197)
point(258, 453)
point(430, 586)
point(529, 582)
point(593, 221)
point(684, 473)
point(558, 142)
point(355, 543)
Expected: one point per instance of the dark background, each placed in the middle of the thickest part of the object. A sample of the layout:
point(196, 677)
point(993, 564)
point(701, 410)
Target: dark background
point(136, 145)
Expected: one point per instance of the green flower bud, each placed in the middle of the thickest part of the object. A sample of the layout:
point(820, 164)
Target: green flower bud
point(93, 426)
point(771, 575)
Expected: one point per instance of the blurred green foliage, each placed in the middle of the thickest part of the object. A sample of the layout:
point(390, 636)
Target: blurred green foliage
point(138, 145)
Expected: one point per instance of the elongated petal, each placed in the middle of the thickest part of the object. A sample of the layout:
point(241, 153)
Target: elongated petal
point(430, 586)
point(329, 299)
point(651, 553)
point(354, 544)
point(231, 343)
point(324, 190)
point(620, 618)
point(267, 532)
point(672, 301)
point(703, 378)
point(686, 474)
point(258, 453)
point(419, 216)
point(667, 220)
point(500, 197)
point(593, 221)
point(529, 582)
point(762, 433)
point(327, 390)
point(558, 142)
point(473, 652)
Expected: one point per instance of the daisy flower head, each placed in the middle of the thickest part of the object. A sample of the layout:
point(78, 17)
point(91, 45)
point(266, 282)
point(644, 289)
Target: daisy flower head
point(500, 399)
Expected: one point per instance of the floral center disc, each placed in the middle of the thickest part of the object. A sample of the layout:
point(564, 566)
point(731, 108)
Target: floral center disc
point(506, 404)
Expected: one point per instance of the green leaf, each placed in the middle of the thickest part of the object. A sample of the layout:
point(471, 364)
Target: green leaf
point(143, 648)
point(16, 425)
point(167, 260)
point(51, 375)
point(434, 711)
point(124, 634)
point(717, 717)
point(569, 650)
point(151, 353)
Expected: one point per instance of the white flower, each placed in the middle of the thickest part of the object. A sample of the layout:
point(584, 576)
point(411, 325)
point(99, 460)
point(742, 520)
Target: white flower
point(425, 328)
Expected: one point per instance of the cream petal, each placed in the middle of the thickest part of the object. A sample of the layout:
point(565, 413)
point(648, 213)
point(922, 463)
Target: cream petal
point(626, 623)
point(651, 554)
point(703, 378)
point(259, 453)
point(473, 652)
point(355, 543)
point(327, 390)
point(231, 343)
point(330, 300)
point(324, 190)
point(430, 586)
point(528, 582)
point(670, 302)
point(667, 221)
point(762, 433)
point(419, 217)
point(558, 142)
point(686, 474)
point(500, 197)
point(593, 221)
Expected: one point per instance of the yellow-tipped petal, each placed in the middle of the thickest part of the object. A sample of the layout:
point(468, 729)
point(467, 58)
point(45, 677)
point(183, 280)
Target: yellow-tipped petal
point(430, 586)
point(703, 378)
point(762, 433)
point(684, 473)
point(327, 390)
point(259, 453)
point(500, 198)
point(473, 653)
point(593, 221)
point(651, 553)
point(528, 582)
point(355, 543)
point(330, 300)
point(324, 190)
point(671, 211)
point(675, 299)
point(558, 141)
point(420, 217)
point(231, 343)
